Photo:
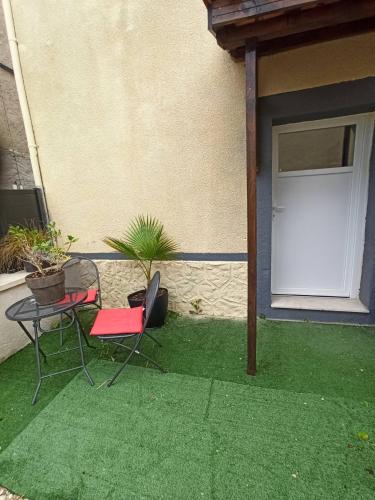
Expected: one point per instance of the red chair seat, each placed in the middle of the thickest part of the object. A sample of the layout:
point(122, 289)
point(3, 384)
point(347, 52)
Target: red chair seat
point(118, 321)
point(68, 297)
point(92, 295)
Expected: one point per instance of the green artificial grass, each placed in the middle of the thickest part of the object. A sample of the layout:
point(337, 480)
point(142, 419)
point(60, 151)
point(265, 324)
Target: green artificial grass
point(259, 446)
point(18, 380)
point(332, 360)
point(175, 436)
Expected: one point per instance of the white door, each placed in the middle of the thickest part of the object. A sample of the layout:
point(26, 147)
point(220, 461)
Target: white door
point(320, 183)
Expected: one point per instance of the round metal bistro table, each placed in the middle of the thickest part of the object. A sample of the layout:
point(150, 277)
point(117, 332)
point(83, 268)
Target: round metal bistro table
point(28, 309)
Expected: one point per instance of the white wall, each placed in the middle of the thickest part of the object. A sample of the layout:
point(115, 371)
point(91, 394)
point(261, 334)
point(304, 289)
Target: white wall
point(12, 338)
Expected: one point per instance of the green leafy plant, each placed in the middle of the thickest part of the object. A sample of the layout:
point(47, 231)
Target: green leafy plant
point(145, 241)
point(50, 248)
point(196, 305)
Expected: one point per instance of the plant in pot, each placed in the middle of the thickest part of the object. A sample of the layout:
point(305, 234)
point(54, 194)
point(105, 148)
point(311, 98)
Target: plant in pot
point(12, 244)
point(146, 241)
point(46, 283)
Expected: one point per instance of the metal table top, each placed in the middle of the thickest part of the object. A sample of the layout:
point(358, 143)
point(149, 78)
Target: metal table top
point(28, 309)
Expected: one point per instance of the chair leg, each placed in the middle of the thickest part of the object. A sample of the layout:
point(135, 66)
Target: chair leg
point(119, 344)
point(153, 338)
point(139, 353)
point(84, 333)
point(163, 370)
point(125, 362)
point(83, 364)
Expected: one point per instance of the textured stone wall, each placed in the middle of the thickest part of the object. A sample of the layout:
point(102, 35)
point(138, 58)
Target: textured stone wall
point(4, 46)
point(221, 286)
point(15, 165)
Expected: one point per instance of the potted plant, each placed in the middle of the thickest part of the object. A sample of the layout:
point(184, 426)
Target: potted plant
point(11, 247)
point(145, 241)
point(46, 283)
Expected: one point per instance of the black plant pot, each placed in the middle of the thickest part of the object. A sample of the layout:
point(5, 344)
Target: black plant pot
point(30, 268)
point(159, 312)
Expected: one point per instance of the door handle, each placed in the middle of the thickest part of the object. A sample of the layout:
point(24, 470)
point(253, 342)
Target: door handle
point(278, 209)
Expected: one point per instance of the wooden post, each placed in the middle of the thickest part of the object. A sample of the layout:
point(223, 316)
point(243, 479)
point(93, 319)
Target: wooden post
point(251, 160)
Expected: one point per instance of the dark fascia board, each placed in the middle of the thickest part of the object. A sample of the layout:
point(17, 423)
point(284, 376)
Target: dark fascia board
point(309, 38)
point(242, 11)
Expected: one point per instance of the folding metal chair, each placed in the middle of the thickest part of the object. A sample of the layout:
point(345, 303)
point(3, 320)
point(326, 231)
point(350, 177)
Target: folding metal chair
point(81, 272)
point(118, 325)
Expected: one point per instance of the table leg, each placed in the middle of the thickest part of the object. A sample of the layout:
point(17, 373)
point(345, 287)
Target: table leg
point(83, 332)
point(31, 338)
point(38, 368)
point(78, 328)
point(61, 331)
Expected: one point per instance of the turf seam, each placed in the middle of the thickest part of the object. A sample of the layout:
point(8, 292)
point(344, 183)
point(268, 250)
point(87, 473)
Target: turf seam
point(206, 413)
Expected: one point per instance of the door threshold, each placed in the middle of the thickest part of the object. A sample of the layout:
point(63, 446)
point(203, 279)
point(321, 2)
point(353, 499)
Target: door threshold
point(314, 303)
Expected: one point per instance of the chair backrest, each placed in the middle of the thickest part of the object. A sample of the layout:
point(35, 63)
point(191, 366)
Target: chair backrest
point(81, 272)
point(151, 293)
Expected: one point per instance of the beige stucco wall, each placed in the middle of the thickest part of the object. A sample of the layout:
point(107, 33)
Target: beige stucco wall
point(316, 65)
point(136, 109)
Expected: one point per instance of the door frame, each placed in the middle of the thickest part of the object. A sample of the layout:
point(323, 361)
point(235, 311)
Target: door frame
point(359, 192)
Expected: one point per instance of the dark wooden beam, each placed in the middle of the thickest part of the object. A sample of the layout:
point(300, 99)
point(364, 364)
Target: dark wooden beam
point(308, 38)
point(224, 13)
point(251, 162)
point(296, 22)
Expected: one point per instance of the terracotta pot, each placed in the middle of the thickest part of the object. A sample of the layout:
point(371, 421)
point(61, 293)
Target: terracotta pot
point(47, 289)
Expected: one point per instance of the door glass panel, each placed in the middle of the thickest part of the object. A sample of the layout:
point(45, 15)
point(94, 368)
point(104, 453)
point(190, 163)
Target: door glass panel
point(318, 148)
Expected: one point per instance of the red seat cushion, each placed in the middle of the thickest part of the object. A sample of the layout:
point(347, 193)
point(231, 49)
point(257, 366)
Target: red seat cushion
point(92, 295)
point(75, 296)
point(118, 321)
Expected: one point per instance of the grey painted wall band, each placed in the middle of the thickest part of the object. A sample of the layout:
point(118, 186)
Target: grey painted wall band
point(223, 257)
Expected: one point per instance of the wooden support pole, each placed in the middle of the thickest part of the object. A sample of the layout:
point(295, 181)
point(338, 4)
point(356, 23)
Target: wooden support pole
point(251, 160)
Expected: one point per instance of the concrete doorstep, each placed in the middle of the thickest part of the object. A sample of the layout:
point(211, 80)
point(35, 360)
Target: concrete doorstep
point(7, 495)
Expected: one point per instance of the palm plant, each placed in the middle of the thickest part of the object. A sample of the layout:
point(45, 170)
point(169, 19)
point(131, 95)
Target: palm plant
point(145, 241)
